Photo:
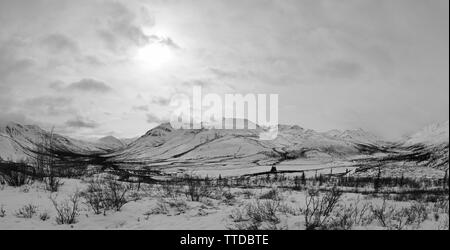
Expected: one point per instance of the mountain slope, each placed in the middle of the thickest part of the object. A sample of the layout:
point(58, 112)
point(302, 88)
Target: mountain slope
point(18, 141)
point(164, 145)
point(355, 136)
point(9, 150)
point(432, 135)
point(432, 141)
point(110, 142)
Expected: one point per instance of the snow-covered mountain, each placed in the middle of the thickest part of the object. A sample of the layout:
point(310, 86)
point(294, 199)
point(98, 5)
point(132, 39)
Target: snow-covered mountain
point(166, 145)
point(432, 142)
point(355, 136)
point(128, 141)
point(110, 142)
point(15, 139)
point(435, 134)
point(10, 151)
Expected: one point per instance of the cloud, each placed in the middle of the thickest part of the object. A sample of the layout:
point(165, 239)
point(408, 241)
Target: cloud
point(8, 117)
point(162, 101)
point(57, 43)
point(141, 108)
point(121, 28)
point(153, 119)
point(49, 105)
point(11, 66)
point(124, 28)
point(312, 53)
point(11, 62)
point(92, 60)
point(48, 101)
point(226, 74)
point(85, 85)
point(90, 85)
point(169, 43)
point(79, 122)
point(341, 69)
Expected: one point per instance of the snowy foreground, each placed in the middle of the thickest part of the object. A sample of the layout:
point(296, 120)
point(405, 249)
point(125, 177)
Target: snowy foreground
point(162, 207)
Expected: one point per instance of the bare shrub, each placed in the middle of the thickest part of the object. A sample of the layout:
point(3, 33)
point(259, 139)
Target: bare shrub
point(400, 219)
point(342, 220)
point(319, 208)
point(94, 196)
point(68, 210)
point(169, 207)
point(444, 225)
point(416, 214)
point(248, 194)
point(286, 210)
point(180, 206)
point(2, 211)
point(273, 194)
point(16, 179)
point(53, 183)
point(45, 163)
point(44, 216)
point(115, 193)
point(27, 211)
point(106, 194)
point(345, 217)
point(197, 189)
point(170, 190)
point(228, 197)
point(441, 206)
point(260, 215)
point(263, 211)
point(383, 213)
point(161, 208)
point(237, 215)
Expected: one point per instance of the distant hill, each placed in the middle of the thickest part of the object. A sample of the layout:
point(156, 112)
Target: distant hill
point(16, 139)
point(166, 145)
point(434, 142)
point(359, 135)
point(110, 142)
point(435, 134)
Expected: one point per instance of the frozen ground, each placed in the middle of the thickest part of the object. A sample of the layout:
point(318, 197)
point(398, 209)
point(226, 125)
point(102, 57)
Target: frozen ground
point(215, 212)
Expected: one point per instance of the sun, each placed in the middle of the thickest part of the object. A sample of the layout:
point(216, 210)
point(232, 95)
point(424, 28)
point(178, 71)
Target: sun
point(154, 56)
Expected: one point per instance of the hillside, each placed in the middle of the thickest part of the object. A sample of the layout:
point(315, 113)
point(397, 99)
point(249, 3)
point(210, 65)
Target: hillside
point(164, 145)
point(18, 140)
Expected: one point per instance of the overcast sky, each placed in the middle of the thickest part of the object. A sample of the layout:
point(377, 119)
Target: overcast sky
point(95, 68)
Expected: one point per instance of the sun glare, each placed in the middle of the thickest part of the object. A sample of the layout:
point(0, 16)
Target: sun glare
point(154, 56)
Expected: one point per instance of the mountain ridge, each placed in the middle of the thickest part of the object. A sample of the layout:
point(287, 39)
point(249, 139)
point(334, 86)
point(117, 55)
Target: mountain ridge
point(166, 145)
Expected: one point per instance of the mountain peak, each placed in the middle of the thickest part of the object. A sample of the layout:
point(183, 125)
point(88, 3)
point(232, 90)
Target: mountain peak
point(109, 137)
point(16, 128)
point(356, 135)
point(434, 134)
point(160, 130)
point(111, 141)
